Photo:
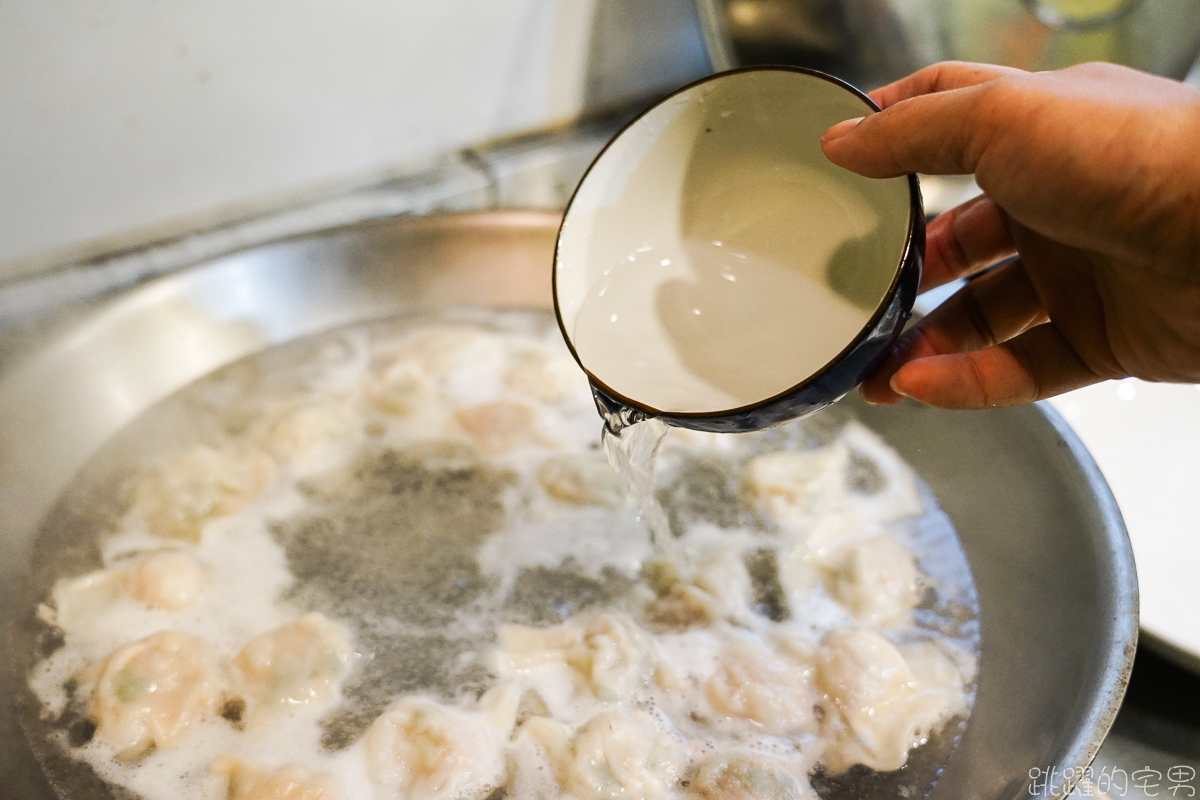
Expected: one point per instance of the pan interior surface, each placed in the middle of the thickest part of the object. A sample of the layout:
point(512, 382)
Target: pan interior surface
point(434, 531)
point(1047, 550)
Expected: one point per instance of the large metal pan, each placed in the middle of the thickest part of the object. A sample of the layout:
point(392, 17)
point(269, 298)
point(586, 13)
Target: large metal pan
point(1043, 536)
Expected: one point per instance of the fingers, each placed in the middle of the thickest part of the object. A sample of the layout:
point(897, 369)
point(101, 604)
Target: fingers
point(942, 77)
point(987, 311)
point(1035, 365)
point(964, 240)
point(932, 123)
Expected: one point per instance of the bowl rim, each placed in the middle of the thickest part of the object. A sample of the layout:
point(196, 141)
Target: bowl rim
point(913, 248)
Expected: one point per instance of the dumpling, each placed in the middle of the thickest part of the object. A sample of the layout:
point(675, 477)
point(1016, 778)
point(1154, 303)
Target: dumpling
point(501, 426)
point(550, 378)
point(148, 693)
point(794, 485)
point(748, 777)
point(899, 495)
point(404, 389)
point(880, 708)
point(301, 662)
point(615, 754)
point(310, 434)
point(718, 587)
point(581, 479)
point(877, 580)
point(171, 580)
point(178, 499)
point(440, 349)
point(612, 654)
point(423, 750)
point(250, 780)
point(773, 690)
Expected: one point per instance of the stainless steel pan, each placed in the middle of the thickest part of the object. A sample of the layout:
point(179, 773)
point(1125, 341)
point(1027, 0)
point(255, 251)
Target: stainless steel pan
point(1051, 560)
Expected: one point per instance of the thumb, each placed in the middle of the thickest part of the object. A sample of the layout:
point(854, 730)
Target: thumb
point(931, 124)
point(935, 134)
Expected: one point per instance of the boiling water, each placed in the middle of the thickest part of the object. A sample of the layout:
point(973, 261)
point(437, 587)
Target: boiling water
point(422, 545)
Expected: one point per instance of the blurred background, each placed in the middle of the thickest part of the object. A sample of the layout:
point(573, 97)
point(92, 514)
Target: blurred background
point(123, 121)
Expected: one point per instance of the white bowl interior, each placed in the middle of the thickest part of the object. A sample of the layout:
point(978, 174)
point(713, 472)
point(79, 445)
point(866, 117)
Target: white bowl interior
point(713, 257)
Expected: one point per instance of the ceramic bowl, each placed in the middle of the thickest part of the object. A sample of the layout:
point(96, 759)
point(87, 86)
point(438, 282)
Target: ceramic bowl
point(716, 271)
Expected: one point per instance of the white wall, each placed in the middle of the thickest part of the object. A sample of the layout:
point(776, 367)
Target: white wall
point(119, 118)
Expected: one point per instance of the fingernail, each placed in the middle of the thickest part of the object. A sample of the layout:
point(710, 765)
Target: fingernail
point(895, 388)
point(839, 130)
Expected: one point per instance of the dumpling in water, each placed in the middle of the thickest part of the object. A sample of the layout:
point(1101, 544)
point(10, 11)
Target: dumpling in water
point(404, 389)
point(615, 754)
point(441, 349)
point(718, 587)
point(581, 479)
point(896, 494)
point(879, 709)
point(548, 377)
point(794, 485)
point(423, 750)
point(250, 780)
point(612, 654)
point(308, 435)
point(301, 662)
point(877, 580)
point(501, 426)
point(203, 484)
point(747, 777)
point(170, 580)
point(148, 693)
point(773, 690)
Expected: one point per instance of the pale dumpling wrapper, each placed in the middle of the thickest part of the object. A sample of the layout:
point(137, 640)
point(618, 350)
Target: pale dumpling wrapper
point(581, 479)
point(610, 652)
point(439, 349)
point(501, 426)
point(205, 483)
point(405, 389)
point(548, 377)
point(171, 580)
point(421, 749)
point(877, 580)
point(718, 587)
point(773, 689)
point(615, 754)
point(749, 777)
point(147, 694)
point(879, 707)
point(300, 662)
point(246, 779)
point(793, 486)
point(311, 434)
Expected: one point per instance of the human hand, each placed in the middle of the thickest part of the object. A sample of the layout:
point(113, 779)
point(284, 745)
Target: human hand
point(1091, 177)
